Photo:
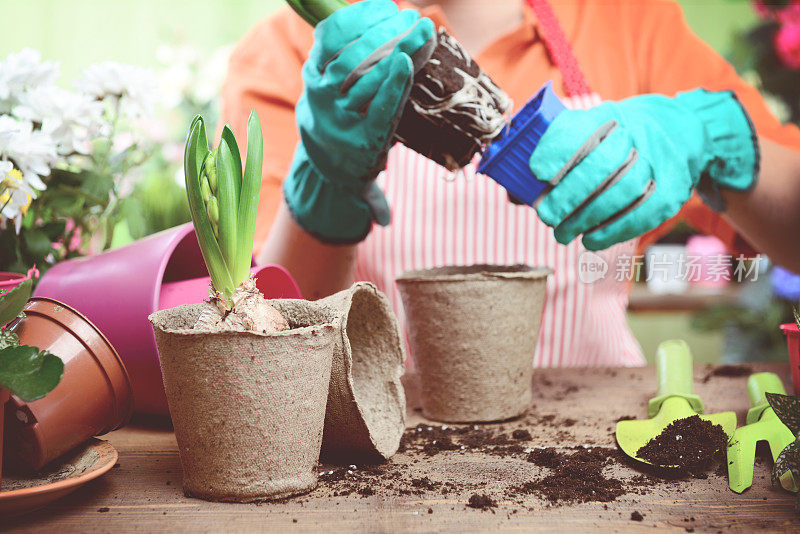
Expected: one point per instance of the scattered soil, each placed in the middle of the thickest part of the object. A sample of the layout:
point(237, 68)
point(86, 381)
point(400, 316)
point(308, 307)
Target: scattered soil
point(728, 371)
point(481, 501)
point(691, 443)
point(636, 516)
point(575, 477)
point(520, 471)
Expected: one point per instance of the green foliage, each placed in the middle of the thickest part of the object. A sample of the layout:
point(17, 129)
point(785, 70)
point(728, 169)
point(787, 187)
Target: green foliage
point(29, 373)
point(25, 371)
point(13, 302)
point(787, 408)
point(223, 200)
point(314, 11)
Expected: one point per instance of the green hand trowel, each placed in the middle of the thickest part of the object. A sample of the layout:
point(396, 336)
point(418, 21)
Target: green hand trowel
point(675, 400)
point(762, 425)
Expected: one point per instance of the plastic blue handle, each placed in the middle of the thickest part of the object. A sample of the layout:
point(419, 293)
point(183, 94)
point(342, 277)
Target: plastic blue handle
point(506, 160)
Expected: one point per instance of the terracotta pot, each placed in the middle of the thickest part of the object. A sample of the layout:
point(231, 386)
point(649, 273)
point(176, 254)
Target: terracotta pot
point(4, 395)
point(366, 409)
point(248, 409)
point(93, 397)
point(472, 333)
point(158, 272)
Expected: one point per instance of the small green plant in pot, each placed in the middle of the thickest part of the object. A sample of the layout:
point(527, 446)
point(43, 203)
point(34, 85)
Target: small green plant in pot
point(246, 385)
point(787, 408)
point(25, 371)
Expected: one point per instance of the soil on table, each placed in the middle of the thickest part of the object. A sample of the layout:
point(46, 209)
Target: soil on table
point(690, 443)
point(470, 459)
point(731, 371)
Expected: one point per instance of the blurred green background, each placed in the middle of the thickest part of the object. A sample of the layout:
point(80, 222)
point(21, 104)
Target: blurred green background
point(79, 32)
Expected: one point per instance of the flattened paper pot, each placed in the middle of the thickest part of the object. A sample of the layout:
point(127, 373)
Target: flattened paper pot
point(248, 409)
point(366, 403)
point(472, 332)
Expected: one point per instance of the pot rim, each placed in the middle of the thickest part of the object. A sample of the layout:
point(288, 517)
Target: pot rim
point(475, 273)
point(283, 333)
point(125, 412)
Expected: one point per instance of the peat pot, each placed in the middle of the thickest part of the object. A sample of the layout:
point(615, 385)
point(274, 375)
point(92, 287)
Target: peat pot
point(472, 333)
point(365, 417)
point(94, 396)
point(248, 409)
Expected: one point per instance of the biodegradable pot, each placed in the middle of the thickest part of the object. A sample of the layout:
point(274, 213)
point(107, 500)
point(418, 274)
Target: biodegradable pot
point(94, 396)
point(4, 395)
point(248, 408)
point(365, 417)
point(472, 333)
point(119, 288)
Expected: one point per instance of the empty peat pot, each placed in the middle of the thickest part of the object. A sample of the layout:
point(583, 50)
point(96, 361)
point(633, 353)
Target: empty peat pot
point(248, 408)
point(94, 396)
point(365, 417)
point(472, 333)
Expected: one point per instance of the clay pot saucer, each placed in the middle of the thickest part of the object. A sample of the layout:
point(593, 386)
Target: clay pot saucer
point(22, 494)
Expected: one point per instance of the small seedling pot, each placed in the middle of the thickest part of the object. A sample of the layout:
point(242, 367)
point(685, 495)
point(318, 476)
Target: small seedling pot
point(119, 288)
point(792, 334)
point(365, 416)
point(9, 281)
point(94, 396)
point(472, 333)
point(248, 409)
point(4, 395)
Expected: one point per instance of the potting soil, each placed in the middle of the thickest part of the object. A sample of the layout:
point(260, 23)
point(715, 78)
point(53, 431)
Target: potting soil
point(690, 443)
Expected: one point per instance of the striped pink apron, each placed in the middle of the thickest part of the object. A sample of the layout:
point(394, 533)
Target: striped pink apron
point(440, 219)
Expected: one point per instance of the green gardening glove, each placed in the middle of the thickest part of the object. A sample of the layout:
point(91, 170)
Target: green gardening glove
point(357, 79)
point(623, 168)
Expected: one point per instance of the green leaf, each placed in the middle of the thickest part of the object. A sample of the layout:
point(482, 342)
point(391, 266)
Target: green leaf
point(227, 195)
point(196, 152)
point(227, 135)
point(787, 460)
point(315, 11)
point(13, 302)
point(28, 373)
point(37, 243)
point(98, 186)
point(8, 339)
point(248, 202)
point(787, 408)
point(54, 229)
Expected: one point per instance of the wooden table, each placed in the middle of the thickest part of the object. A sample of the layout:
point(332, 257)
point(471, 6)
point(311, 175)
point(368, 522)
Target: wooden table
point(143, 494)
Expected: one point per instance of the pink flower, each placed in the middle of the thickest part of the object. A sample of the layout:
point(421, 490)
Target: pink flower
point(787, 44)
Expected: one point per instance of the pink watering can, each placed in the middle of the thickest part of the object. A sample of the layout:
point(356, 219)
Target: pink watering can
point(119, 288)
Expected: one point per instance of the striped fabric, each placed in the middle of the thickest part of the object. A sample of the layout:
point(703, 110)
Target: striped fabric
point(443, 219)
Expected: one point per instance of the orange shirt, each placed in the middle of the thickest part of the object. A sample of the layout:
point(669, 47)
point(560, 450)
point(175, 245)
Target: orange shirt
point(624, 47)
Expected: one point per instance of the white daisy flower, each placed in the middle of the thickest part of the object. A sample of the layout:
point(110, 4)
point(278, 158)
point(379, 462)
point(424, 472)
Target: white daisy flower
point(21, 71)
point(135, 87)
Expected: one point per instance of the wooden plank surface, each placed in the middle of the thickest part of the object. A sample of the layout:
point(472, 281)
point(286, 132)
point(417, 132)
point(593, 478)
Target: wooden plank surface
point(143, 494)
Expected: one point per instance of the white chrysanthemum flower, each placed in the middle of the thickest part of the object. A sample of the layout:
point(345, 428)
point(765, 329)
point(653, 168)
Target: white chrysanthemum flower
point(15, 195)
point(70, 119)
point(32, 151)
point(135, 87)
point(22, 71)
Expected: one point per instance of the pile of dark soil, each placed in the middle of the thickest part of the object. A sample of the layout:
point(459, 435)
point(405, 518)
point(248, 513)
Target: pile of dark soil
point(731, 371)
point(481, 501)
point(575, 477)
point(691, 443)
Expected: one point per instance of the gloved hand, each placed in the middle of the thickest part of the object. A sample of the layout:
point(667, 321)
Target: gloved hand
point(357, 79)
point(621, 169)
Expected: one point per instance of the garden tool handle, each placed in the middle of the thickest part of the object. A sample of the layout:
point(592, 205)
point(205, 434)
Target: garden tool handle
point(757, 386)
point(675, 375)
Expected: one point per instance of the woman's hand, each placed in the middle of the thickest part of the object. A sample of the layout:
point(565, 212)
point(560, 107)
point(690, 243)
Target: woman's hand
point(357, 79)
point(621, 169)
